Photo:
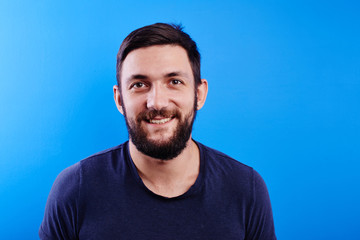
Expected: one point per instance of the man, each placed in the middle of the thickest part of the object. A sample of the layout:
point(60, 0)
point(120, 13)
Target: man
point(161, 184)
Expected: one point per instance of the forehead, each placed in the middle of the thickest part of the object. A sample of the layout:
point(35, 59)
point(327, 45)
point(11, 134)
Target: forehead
point(155, 61)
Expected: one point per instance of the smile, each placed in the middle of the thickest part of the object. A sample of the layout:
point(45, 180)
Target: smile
point(160, 121)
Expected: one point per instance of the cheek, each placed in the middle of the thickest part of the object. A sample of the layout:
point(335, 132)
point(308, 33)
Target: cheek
point(133, 105)
point(133, 109)
point(186, 101)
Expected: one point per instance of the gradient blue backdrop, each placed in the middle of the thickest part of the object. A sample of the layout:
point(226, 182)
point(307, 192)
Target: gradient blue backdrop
point(284, 94)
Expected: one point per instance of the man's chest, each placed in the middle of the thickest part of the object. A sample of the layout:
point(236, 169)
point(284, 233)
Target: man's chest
point(146, 217)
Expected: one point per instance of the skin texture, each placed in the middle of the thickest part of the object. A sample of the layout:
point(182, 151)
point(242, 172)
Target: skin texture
point(160, 78)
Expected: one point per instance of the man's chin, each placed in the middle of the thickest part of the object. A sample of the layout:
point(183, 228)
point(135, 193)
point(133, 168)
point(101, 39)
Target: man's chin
point(163, 149)
point(160, 143)
point(160, 140)
point(159, 150)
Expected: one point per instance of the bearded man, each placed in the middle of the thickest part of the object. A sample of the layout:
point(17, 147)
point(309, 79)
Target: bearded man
point(161, 184)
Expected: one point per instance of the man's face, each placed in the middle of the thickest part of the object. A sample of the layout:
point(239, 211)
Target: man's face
point(158, 99)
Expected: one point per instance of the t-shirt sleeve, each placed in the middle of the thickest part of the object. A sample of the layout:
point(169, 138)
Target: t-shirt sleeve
point(261, 223)
point(61, 212)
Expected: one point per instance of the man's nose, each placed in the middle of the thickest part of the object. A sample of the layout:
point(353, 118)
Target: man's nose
point(157, 98)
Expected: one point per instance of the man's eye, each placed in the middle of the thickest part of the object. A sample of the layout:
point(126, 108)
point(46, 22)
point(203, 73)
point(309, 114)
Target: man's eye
point(176, 82)
point(138, 85)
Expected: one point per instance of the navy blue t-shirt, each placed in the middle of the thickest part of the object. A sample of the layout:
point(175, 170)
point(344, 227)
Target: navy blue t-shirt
point(103, 197)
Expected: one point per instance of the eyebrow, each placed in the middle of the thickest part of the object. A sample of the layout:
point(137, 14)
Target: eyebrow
point(136, 77)
point(176, 74)
point(173, 74)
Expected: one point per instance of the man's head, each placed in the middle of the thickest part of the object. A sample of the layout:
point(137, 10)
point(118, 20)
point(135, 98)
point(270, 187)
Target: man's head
point(157, 89)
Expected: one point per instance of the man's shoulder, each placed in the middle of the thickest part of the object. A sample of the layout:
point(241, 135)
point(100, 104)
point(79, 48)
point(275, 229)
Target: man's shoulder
point(93, 162)
point(104, 162)
point(222, 160)
point(228, 170)
point(105, 153)
point(234, 177)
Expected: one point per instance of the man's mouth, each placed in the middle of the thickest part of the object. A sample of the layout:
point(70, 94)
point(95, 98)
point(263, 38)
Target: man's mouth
point(160, 121)
point(158, 116)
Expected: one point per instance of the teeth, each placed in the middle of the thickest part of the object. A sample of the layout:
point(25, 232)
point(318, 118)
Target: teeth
point(160, 121)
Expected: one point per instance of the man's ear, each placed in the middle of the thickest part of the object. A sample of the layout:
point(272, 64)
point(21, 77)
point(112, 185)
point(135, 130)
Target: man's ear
point(202, 90)
point(117, 99)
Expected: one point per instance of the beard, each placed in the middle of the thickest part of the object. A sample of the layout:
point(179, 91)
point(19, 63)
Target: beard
point(161, 149)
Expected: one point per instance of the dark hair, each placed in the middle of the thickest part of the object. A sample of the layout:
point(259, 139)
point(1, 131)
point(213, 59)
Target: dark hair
point(159, 34)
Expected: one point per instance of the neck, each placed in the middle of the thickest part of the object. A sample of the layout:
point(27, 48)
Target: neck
point(168, 178)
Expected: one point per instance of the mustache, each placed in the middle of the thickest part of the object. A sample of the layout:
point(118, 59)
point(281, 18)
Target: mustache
point(150, 114)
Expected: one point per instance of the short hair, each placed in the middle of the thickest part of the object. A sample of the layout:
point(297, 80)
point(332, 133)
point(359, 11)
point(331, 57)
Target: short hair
point(159, 34)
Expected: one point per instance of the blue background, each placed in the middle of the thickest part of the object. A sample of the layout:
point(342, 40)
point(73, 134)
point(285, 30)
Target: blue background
point(284, 94)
